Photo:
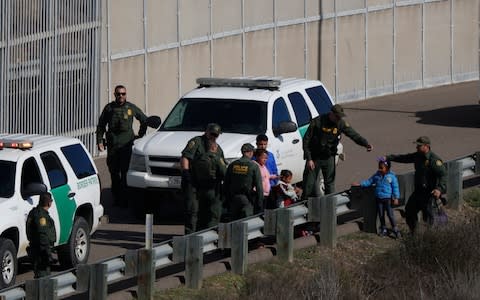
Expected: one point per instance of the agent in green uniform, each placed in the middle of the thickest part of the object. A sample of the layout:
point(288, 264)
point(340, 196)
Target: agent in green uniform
point(430, 181)
point(118, 117)
point(243, 185)
point(320, 147)
point(203, 168)
point(42, 236)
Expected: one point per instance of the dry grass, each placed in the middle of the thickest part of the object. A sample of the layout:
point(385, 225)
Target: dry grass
point(436, 263)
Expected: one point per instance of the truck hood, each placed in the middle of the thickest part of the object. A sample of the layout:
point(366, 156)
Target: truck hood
point(171, 143)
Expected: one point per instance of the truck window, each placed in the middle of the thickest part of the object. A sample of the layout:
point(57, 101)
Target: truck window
point(320, 99)
point(302, 113)
point(280, 113)
point(7, 179)
point(30, 174)
point(56, 173)
point(78, 160)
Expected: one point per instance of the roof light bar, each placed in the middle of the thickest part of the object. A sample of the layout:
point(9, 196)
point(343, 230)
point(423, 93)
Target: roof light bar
point(22, 145)
point(270, 84)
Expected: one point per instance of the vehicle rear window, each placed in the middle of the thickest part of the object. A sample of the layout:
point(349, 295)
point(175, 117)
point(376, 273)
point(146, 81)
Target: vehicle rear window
point(320, 99)
point(7, 179)
point(302, 113)
point(78, 160)
point(53, 166)
point(233, 115)
point(280, 113)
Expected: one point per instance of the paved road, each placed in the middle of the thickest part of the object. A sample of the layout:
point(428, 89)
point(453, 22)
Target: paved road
point(449, 115)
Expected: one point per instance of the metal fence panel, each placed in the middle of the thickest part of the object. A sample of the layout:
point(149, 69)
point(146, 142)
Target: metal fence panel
point(49, 58)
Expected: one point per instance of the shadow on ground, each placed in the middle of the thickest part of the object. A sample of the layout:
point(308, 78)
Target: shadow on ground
point(454, 116)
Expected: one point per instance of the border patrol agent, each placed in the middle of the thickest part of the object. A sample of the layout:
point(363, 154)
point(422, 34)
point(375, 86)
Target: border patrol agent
point(42, 236)
point(118, 116)
point(430, 181)
point(243, 185)
point(201, 185)
point(320, 148)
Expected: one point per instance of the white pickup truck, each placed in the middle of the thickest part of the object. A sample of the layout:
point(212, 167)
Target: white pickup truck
point(31, 164)
point(244, 108)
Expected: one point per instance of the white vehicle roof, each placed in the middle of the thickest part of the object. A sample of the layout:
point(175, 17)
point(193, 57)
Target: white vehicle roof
point(248, 93)
point(40, 143)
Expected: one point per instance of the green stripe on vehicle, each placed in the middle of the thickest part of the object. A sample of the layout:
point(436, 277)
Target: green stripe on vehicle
point(302, 130)
point(65, 210)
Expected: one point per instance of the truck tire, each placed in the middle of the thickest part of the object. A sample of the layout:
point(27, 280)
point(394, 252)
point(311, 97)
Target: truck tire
point(8, 263)
point(77, 249)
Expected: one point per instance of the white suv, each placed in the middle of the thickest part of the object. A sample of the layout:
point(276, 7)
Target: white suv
point(244, 108)
point(31, 164)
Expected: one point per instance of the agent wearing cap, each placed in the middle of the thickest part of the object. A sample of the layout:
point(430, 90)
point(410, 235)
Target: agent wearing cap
point(203, 168)
point(320, 148)
point(430, 180)
point(243, 185)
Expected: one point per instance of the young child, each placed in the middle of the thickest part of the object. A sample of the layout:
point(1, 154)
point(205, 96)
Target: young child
point(284, 194)
point(261, 157)
point(386, 193)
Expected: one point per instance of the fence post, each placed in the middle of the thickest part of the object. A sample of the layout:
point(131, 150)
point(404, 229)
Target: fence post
point(148, 231)
point(328, 221)
point(364, 200)
point(131, 263)
point(407, 184)
point(41, 289)
point(314, 208)
point(146, 274)
point(455, 184)
point(477, 163)
point(224, 233)
point(93, 280)
point(239, 246)
point(285, 234)
point(194, 262)
point(179, 243)
point(270, 222)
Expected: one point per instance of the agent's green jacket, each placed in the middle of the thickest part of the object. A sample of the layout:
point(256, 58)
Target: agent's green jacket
point(242, 177)
point(430, 172)
point(41, 230)
point(322, 137)
point(119, 119)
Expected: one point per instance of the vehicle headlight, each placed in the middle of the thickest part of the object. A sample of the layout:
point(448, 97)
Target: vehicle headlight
point(137, 163)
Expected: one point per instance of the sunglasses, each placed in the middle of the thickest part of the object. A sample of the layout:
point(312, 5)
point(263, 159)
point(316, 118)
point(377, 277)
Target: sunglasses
point(120, 94)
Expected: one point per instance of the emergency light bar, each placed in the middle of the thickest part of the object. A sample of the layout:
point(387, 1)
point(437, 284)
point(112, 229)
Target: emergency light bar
point(22, 145)
point(270, 84)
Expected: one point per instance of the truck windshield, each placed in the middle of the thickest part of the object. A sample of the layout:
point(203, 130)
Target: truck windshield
point(7, 179)
point(234, 116)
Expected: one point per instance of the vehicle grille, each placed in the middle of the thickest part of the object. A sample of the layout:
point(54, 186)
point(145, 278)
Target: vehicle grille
point(165, 171)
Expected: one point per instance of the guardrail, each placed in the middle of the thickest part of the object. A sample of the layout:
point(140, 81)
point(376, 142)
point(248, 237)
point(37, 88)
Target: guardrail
point(190, 249)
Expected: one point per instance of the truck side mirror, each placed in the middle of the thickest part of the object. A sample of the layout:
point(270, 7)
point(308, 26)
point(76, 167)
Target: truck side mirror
point(284, 127)
point(154, 122)
point(32, 189)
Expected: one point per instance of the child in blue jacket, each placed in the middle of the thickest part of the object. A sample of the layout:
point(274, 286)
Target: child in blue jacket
point(386, 194)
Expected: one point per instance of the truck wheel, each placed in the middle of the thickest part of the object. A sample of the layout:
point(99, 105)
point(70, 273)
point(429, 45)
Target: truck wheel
point(77, 249)
point(8, 256)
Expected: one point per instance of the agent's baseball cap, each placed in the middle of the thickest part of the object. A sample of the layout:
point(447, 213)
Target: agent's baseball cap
point(423, 140)
point(337, 109)
point(247, 148)
point(214, 128)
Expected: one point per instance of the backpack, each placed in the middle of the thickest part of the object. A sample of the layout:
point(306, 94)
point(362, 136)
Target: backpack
point(204, 170)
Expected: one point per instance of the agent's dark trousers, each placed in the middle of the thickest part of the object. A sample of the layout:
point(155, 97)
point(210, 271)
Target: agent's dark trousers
point(418, 201)
point(118, 160)
point(310, 177)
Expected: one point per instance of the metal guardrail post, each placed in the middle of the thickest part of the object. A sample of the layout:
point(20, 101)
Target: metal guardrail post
point(285, 234)
point(224, 235)
point(146, 274)
point(455, 184)
point(365, 200)
point(270, 222)
point(148, 231)
point(41, 289)
point(93, 280)
point(314, 208)
point(131, 263)
point(194, 262)
point(477, 163)
point(239, 247)
point(328, 221)
point(407, 184)
point(179, 244)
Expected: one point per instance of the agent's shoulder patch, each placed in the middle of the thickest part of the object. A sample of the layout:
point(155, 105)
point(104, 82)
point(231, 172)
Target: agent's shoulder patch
point(439, 163)
point(191, 144)
point(42, 221)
